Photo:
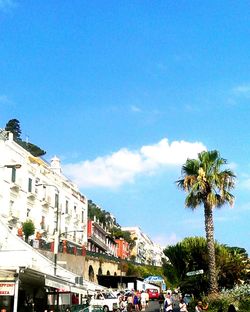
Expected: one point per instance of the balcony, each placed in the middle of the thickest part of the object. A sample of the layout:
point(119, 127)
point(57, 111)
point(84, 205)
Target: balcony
point(31, 195)
point(96, 240)
point(67, 215)
point(14, 187)
point(13, 216)
point(46, 202)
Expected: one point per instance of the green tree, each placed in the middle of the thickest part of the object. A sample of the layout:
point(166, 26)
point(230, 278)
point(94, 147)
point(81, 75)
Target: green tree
point(28, 229)
point(207, 185)
point(13, 125)
point(190, 255)
point(32, 148)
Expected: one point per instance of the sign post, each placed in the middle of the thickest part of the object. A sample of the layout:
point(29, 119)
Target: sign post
point(192, 273)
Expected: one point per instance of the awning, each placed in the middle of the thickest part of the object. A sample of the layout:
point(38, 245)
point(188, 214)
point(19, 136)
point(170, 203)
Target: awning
point(78, 290)
point(56, 283)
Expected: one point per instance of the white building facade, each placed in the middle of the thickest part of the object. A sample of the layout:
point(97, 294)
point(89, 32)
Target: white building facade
point(38, 191)
point(145, 250)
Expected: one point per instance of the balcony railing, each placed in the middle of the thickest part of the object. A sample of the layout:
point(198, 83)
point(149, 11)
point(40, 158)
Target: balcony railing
point(98, 242)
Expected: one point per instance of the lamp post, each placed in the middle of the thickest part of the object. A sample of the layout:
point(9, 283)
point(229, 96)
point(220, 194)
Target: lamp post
point(14, 166)
point(56, 234)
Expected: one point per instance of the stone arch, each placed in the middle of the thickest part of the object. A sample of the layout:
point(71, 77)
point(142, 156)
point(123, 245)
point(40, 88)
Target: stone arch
point(91, 274)
point(100, 271)
point(108, 273)
point(115, 274)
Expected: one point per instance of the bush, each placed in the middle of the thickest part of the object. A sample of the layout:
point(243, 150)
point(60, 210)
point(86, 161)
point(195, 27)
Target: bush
point(238, 296)
point(28, 229)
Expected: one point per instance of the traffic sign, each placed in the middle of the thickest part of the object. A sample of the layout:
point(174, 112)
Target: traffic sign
point(192, 273)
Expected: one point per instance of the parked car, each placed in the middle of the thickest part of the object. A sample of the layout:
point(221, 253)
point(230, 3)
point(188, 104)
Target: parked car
point(153, 293)
point(106, 300)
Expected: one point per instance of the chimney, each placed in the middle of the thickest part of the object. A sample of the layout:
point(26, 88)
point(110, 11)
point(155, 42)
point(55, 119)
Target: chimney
point(55, 165)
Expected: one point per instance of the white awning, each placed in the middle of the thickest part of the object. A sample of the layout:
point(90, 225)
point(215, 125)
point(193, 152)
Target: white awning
point(59, 284)
point(78, 290)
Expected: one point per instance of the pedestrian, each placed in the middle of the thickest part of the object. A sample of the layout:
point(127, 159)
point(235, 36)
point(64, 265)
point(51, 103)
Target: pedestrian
point(136, 302)
point(161, 300)
point(143, 300)
point(168, 306)
point(130, 302)
point(200, 307)
point(122, 304)
point(147, 298)
point(231, 308)
point(183, 306)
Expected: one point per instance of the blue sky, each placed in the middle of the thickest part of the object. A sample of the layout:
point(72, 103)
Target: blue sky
point(124, 91)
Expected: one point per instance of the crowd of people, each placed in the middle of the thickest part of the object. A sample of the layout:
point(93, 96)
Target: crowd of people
point(133, 300)
point(168, 302)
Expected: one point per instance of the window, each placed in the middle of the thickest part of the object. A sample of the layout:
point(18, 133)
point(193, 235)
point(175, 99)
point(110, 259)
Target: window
point(13, 175)
point(82, 216)
point(56, 200)
point(67, 206)
point(43, 223)
point(30, 185)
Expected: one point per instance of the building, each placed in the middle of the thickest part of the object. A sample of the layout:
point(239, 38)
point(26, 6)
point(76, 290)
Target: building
point(123, 251)
point(99, 239)
point(38, 191)
point(28, 281)
point(145, 250)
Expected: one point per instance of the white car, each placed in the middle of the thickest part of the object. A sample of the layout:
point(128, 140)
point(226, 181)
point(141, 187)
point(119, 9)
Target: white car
point(106, 300)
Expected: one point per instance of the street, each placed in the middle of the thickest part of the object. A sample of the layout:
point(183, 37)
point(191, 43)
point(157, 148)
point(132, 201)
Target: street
point(155, 307)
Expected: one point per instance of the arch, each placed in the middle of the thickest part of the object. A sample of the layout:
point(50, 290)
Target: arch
point(91, 274)
point(108, 273)
point(115, 274)
point(100, 271)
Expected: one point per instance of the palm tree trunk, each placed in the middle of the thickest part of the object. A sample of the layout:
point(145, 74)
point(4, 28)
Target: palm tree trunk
point(209, 228)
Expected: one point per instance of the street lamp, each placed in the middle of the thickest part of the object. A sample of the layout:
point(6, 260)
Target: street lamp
point(15, 166)
point(56, 234)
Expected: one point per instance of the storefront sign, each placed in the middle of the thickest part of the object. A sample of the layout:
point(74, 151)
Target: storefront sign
point(7, 289)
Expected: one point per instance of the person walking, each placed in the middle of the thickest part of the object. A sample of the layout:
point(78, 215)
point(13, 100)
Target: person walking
point(168, 306)
point(136, 302)
point(161, 300)
point(231, 308)
point(130, 302)
point(200, 307)
point(143, 300)
point(183, 306)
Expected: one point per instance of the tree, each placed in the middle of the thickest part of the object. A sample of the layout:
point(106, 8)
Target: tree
point(28, 229)
point(207, 185)
point(13, 125)
point(190, 255)
point(32, 148)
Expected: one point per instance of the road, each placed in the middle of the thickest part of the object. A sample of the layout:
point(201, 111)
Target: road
point(155, 307)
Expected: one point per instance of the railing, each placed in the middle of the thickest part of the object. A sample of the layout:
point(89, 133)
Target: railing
point(79, 251)
point(101, 255)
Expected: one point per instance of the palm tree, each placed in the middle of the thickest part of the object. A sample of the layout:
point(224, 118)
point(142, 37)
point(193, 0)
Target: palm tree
point(207, 184)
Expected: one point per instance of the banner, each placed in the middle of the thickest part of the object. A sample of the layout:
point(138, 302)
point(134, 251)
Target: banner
point(7, 289)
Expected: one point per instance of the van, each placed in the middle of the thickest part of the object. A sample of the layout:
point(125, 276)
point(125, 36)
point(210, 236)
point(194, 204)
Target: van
point(153, 293)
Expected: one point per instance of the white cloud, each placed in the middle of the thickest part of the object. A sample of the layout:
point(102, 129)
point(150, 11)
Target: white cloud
point(135, 109)
point(243, 89)
point(123, 166)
